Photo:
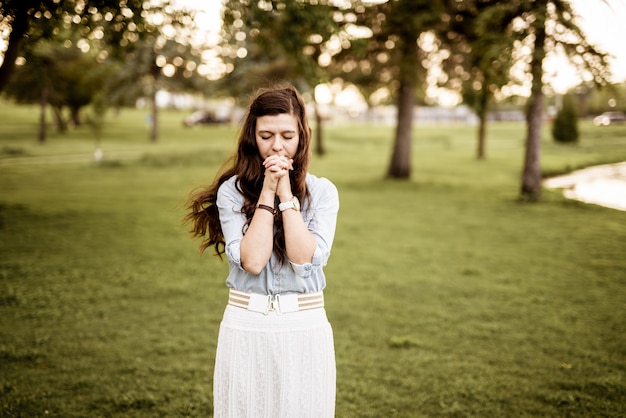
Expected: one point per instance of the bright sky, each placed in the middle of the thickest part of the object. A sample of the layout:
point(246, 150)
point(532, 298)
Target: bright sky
point(605, 27)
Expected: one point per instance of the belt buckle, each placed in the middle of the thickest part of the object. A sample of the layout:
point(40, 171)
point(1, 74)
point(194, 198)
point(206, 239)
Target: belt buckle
point(273, 304)
point(264, 304)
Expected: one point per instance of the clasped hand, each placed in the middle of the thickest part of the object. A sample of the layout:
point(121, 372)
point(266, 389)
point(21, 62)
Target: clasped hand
point(277, 169)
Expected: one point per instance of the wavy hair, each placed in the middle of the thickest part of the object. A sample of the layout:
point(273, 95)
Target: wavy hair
point(247, 165)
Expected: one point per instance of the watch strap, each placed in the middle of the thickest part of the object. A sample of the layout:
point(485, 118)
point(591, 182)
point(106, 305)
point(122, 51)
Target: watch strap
point(292, 203)
point(286, 205)
point(267, 208)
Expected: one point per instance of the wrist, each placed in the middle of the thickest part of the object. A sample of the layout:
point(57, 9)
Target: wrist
point(283, 191)
point(284, 194)
point(267, 198)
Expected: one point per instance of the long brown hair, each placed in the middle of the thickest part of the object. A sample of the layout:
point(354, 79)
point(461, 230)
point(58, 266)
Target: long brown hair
point(247, 165)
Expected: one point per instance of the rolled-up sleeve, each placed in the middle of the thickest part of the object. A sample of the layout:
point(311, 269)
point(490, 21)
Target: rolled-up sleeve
point(322, 222)
point(232, 219)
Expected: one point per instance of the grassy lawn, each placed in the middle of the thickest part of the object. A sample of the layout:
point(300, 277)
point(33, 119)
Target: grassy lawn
point(448, 297)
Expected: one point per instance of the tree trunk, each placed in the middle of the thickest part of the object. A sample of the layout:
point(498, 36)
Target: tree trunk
point(531, 177)
point(19, 27)
point(60, 123)
point(400, 166)
point(42, 115)
point(75, 116)
point(154, 122)
point(319, 144)
point(481, 151)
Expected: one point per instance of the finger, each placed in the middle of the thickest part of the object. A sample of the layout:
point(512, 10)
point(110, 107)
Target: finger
point(283, 164)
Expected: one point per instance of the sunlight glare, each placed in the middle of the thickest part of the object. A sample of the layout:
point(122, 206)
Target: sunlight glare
point(323, 94)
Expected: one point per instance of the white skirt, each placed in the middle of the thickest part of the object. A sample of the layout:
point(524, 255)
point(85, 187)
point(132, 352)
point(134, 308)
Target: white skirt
point(274, 365)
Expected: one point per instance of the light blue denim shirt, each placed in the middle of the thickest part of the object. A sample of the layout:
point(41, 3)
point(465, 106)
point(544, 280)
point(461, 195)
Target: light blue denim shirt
point(320, 216)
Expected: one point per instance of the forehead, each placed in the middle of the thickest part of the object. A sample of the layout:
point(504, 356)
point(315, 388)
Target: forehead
point(277, 123)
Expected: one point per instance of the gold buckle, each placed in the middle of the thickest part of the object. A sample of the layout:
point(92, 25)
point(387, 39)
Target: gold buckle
point(273, 304)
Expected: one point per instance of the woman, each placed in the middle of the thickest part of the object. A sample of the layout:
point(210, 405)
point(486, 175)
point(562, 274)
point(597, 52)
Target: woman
point(276, 223)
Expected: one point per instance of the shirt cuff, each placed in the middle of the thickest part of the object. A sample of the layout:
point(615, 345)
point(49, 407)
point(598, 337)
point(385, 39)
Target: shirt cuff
point(304, 270)
point(233, 253)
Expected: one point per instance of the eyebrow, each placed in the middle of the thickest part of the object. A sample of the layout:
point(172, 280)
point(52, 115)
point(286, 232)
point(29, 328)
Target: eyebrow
point(265, 131)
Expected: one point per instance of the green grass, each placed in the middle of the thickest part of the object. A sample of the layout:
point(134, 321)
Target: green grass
point(448, 297)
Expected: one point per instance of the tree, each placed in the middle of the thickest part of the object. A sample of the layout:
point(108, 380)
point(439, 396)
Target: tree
point(278, 40)
point(545, 27)
point(69, 75)
point(531, 176)
point(60, 77)
point(391, 58)
point(493, 33)
point(154, 65)
point(562, 34)
point(363, 59)
point(116, 24)
point(481, 45)
point(34, 87)
point(565, 127)
point(77, 48)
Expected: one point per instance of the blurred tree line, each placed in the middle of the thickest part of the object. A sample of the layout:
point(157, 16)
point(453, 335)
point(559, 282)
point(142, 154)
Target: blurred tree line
point(398, 49)
point(65, 53)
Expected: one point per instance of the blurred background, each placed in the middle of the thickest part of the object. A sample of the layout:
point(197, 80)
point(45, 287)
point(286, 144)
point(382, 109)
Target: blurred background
point(463, 282)
point(394, 62)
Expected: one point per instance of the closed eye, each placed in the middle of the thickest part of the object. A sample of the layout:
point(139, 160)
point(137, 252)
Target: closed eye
point(285, 135)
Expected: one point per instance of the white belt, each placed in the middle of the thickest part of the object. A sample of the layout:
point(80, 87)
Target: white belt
point(279, 303)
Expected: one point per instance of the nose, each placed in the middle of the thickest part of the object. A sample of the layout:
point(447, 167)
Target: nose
point(277, 144)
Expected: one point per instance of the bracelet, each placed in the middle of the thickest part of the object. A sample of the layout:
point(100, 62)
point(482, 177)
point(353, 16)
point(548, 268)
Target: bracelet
point(267, 208)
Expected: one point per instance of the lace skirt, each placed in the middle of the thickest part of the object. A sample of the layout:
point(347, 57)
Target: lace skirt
point(274, 366)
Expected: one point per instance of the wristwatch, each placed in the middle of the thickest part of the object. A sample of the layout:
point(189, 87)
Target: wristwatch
point(294, 204)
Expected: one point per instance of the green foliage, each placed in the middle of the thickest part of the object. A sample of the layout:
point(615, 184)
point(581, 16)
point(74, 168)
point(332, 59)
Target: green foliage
point(62, 76)
point(107, 26)
point(391, 55)
point(481, 43)
point(73, 53)
point(599, 100)
point(447, 297)
point(282, 40)
point(565, 126)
